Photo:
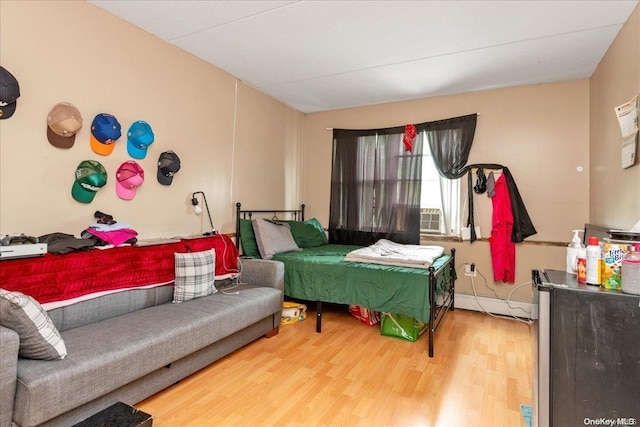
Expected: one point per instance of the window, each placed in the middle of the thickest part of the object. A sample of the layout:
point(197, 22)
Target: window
point(382, 189)
point(439, 198)
point(375, 188)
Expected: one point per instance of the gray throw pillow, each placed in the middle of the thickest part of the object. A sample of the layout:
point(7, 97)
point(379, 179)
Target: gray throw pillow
point(273, 238)
point(195, 275)
point(39, 338)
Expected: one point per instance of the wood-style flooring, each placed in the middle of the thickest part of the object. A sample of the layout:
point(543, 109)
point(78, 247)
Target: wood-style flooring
point(350, 375)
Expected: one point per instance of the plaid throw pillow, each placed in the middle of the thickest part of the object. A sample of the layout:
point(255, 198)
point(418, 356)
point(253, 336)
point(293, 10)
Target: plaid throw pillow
point(195, 275)
point(39, 338)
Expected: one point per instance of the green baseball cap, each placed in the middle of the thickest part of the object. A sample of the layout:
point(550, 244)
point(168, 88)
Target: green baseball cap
point(90, 177)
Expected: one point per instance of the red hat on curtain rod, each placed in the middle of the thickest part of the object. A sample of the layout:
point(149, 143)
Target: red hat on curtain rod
point(410, 133)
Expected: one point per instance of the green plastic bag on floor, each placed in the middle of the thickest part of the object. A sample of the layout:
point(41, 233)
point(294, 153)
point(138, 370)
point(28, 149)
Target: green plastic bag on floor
point(401, 326)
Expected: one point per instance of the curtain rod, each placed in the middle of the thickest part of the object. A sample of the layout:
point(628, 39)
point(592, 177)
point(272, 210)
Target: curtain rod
point(485, 166)
point(494, 168)
point(477, 114)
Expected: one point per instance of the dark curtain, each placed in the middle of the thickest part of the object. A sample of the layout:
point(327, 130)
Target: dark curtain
point(375, 187)
point(450, 143)
point(375, 182)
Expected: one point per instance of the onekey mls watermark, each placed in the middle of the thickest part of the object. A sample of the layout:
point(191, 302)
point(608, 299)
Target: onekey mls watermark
point(620, 421)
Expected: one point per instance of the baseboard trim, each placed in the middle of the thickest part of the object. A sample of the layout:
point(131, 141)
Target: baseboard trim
point(496, 306)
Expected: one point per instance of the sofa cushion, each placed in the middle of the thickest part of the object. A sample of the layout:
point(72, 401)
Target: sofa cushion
point(113, 304)
point(109, 354)
point(195, 275)
point(39, 338)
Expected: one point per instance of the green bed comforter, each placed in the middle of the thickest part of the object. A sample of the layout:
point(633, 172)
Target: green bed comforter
point(321, 274)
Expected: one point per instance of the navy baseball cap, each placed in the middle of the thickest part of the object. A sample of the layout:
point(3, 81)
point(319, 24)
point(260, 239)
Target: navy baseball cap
point(9, 93)
point(105, 130)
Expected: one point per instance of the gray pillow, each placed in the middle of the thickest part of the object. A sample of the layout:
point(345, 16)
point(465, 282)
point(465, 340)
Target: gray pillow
point(39, 338)
point(195, 275)
point(273, 238)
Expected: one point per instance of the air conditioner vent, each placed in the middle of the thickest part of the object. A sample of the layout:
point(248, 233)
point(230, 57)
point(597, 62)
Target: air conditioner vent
point(430, 220)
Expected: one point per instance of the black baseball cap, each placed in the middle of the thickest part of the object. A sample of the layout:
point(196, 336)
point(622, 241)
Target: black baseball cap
point(168, 165)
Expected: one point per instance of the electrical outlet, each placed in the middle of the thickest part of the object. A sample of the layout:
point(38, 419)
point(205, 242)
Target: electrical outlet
point(470, 270)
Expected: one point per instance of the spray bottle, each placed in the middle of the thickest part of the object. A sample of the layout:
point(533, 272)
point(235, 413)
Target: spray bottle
point(572, 252)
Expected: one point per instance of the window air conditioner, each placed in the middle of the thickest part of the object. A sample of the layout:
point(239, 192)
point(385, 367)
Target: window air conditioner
point(430, 220)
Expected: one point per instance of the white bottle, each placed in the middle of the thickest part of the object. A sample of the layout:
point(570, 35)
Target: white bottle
point(593, 262)
point(572, 252)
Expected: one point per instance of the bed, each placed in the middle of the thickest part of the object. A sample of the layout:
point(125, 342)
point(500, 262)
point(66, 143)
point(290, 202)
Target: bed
point(318, 273)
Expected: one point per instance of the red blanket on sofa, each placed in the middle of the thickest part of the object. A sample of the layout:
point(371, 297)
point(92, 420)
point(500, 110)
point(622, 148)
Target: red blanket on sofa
point(53, 278)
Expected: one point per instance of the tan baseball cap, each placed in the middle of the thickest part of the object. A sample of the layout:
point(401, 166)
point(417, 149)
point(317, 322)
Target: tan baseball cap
point(63, 122)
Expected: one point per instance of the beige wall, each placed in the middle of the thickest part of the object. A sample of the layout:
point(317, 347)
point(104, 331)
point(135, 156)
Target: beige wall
point(544, 134)
point(540, 132)
point(235, 143)
point(614, 192)
point(268, 135)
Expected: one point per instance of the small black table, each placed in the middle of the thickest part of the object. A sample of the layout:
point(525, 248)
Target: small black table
point(118, 415)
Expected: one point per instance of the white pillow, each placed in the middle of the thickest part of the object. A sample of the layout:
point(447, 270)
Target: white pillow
point(195, 275)
point(39, 338)
point(273, 238)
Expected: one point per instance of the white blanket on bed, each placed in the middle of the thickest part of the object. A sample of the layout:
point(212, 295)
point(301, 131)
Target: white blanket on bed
point(390, 253)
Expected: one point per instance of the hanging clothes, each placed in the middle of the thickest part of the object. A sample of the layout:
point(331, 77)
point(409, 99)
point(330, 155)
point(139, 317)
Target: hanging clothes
point(522, 225)
point(491, 184)
point(503, 249)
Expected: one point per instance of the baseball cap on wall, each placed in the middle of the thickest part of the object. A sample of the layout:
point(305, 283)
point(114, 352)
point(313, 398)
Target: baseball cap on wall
point(9, 93)
point(63, 122)
point(168, 165)
point(139, 138)
point(105, 131)
point(129, 177)
point(91, 176)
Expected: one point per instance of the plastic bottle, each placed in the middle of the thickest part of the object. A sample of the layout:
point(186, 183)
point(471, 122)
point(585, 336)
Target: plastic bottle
point(572, 252)
point(594, 274)
point(631, 271)
point(582, 266)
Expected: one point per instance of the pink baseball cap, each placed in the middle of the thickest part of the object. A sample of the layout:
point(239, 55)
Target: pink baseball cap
point(129, 177)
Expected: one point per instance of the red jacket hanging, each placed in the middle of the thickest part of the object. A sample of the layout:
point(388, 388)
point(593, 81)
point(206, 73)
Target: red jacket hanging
point(503, 250)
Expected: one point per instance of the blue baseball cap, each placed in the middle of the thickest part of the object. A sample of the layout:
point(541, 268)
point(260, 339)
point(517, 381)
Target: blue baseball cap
point(139, 138)
point(105, 130)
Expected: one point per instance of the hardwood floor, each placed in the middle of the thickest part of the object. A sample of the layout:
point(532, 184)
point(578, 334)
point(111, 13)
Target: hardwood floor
point(350, 375)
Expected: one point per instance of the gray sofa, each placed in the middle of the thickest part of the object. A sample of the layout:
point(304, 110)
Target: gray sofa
point(129, 345)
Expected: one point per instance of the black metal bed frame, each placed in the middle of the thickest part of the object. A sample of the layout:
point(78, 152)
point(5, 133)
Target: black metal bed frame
point(436, 312)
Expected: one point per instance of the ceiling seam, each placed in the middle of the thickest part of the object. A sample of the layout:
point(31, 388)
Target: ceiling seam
point(355, 70)
point(264, 12)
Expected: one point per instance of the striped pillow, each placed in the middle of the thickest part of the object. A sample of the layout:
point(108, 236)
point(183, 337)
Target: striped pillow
point(39, 338)
point(195, 275)
point(273, 238)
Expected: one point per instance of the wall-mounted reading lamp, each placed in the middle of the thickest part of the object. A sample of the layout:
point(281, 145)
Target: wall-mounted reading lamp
point(198, 210)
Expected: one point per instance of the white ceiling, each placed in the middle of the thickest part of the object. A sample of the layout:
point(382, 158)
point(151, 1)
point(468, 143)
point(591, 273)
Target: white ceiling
point(318, 55)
